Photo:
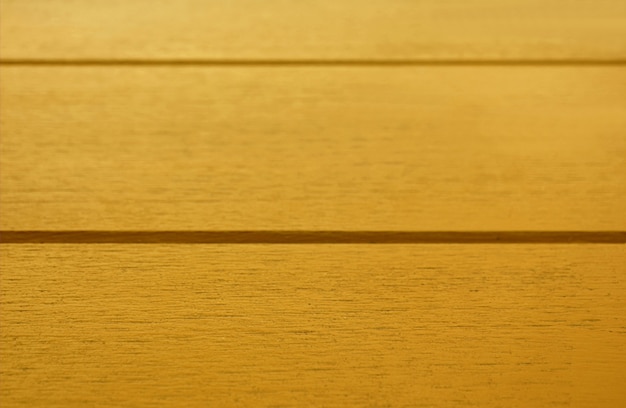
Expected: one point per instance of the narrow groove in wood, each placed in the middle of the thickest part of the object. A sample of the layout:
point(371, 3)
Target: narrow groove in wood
point(312, 237)
point(311, 62)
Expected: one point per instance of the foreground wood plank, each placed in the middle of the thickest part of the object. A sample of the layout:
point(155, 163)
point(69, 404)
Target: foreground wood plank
point(328, 29)
point(313, 149)
point(315, 325)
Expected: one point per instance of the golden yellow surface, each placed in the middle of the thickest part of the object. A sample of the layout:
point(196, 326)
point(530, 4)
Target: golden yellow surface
point(330, 29)
point(344, 115)
point(404, 148)
point(313, 325)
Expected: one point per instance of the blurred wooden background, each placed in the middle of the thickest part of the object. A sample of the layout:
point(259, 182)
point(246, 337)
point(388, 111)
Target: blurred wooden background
point(324, 115)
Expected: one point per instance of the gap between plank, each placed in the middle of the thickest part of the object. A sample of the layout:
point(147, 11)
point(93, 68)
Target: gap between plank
point(308, 62)
point(313, 237)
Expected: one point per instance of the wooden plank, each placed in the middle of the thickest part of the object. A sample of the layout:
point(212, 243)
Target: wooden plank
point(313, 149)
point(316, 325)
point(322, 29)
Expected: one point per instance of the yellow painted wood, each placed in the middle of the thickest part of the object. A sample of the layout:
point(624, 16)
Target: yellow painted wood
point(205, 147)
point(430, 148)
point(327, 29)
point(316, 325)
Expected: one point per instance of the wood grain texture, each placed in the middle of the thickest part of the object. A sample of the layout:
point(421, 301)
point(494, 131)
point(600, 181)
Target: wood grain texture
point(406, 148)
point(326, 29)
point(271, 122)
point(315, 325)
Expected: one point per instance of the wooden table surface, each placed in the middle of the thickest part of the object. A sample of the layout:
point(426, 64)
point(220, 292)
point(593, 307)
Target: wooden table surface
point(330, 203)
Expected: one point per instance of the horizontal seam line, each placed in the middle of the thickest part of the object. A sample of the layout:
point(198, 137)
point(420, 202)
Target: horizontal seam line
point(312, 237)
point(310, 62)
